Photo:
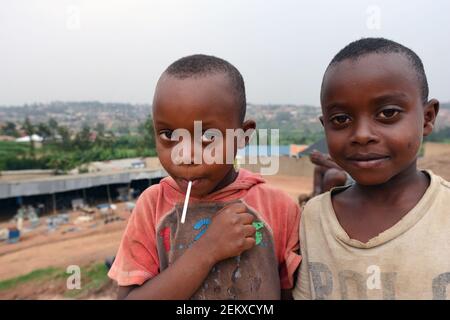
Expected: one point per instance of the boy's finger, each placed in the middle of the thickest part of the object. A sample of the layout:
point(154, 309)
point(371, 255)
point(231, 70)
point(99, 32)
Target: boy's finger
point(238, 207)
point(249, 243)
point(235, 207)
point(246, 218)
point(249, 230)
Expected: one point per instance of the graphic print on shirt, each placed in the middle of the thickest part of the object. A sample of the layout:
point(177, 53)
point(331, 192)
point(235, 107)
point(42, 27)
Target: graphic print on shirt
point(252, 275)
point(356, 285)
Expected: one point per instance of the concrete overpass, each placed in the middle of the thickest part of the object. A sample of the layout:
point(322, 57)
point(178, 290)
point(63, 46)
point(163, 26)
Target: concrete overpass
point(12, 186)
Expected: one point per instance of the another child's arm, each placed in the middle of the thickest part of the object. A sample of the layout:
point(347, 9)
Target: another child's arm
point(317, 181)
point(287, 294)
point(302, 289)
point(291, 248)
point(231, 233)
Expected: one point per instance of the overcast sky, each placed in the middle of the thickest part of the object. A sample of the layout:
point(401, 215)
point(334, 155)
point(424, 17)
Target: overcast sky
point(114, 51)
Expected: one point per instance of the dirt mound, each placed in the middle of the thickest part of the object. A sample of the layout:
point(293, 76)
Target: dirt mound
point(440, 165)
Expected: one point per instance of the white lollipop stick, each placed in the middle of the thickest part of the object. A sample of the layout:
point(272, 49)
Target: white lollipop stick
point(186, 201)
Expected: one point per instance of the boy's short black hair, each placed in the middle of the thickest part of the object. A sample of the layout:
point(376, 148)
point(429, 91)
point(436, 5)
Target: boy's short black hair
point(201, 65)
point(365, 46)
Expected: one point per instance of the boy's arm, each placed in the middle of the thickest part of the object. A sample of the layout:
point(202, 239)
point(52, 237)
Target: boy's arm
point(229, 235)
point(323, 160)
point(179, 281)
point(302, 289)
point(317, 181)
point(287, 294)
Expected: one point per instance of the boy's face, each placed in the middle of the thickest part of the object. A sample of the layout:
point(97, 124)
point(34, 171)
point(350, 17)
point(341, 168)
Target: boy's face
point(177, 104)
point(374, 117)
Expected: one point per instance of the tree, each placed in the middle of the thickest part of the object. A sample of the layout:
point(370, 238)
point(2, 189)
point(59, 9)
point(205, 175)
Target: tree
point(53, 126)
point(64, 133)
point(83, 138)
point(148, 135)
point(123, 130)
point(30, 129)
point(10, 129)
point(100, 129)
point(44, 131)
point(283, 116)
point(102, 139)
point(61, 162)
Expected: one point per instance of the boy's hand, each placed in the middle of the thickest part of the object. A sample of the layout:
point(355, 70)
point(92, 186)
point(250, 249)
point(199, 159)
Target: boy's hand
point(230, 233)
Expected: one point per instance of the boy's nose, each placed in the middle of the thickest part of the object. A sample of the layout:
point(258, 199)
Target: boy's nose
point(196, 152)
point(363, 132)
point(187, 154)
point(193, 157)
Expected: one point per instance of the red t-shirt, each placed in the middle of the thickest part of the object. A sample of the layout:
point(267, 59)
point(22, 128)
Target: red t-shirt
point(155, 237)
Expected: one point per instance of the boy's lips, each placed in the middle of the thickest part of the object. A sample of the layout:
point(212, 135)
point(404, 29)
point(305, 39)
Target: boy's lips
point(367, 160)
point(183, 182)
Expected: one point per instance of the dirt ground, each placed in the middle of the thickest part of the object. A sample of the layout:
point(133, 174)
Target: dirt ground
point(440, 165)
point(94, 241)
point(90, 243)
point(293, 186)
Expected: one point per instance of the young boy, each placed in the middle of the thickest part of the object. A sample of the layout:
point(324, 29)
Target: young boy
point(386, 236)
point(239, 239)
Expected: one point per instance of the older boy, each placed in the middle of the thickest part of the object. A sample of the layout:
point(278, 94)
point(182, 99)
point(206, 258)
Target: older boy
point(387, 235)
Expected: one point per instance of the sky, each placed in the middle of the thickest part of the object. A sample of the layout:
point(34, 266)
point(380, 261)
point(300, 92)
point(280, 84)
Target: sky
point(115, 51)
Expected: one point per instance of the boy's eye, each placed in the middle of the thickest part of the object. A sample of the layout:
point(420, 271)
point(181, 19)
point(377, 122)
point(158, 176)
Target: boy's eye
point(388, 113)
point(340, 119)
point(166, 135)
point(210, 135)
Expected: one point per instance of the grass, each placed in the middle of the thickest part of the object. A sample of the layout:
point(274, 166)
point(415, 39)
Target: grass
point(36, 275)
point(17, 156)
point(8, 147)
point(93, 278)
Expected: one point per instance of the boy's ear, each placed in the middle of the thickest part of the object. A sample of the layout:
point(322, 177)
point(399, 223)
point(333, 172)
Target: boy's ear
point(430, 112)
point(248, 125)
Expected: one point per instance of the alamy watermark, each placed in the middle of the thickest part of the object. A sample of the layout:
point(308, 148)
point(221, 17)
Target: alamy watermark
point(73, 17)
point(211, 147)
point(373, 21)
point(74, 280)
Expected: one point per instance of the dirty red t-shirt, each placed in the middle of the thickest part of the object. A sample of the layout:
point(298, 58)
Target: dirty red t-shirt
point(155, 238)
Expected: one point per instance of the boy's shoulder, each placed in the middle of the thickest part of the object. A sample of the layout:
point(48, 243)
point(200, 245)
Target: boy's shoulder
point(445, 184)
point(273, 205)
point(158, 189)
point(316, 207)
point(151, 192)
point(268, 193)
point(441, 186)
point(148, 201)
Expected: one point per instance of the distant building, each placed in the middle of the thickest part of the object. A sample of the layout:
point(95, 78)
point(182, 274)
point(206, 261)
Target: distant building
point(34, 137)
point(320, 145)
point(291, 150)
point(295, 149)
